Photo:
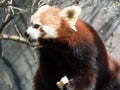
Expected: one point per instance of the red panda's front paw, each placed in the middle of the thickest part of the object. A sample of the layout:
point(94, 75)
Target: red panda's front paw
point(64, 80)
point(64, 84)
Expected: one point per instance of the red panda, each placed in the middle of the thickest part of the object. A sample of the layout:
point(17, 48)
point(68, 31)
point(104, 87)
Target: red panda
point(70, 47)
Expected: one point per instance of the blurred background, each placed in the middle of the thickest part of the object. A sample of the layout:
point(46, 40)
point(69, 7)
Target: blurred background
point(18, 61)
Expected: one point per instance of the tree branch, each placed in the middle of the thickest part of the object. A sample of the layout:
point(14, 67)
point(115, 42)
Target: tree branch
point(17, 39)
point(14, 38)
point(9, 18)
point(77, 2)
point(3, 3)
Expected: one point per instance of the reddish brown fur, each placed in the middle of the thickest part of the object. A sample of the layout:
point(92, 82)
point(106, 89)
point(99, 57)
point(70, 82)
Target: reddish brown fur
point(113, 67)
point(91, 64)
point(83, 33)
point(72, 37)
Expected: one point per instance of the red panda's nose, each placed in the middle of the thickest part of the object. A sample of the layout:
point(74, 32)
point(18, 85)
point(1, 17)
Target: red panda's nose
point(26, 34)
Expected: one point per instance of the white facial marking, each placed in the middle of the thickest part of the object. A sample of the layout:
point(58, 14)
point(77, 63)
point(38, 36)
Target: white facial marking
point(43, 7)
point(33, 33)
point(35, 17)
point(50, 32)
point(35, 20)
point(40, 10)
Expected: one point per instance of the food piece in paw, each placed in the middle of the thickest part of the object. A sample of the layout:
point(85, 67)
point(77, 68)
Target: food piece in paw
point(62, 82)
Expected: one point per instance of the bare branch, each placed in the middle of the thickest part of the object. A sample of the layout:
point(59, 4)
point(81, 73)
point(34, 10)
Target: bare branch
point(13, 38)
point(77, 2)
point(17, 39)
point(6, 22)
point(3, 3)
point(17, 30)
point(42, 2)
point(20, 9)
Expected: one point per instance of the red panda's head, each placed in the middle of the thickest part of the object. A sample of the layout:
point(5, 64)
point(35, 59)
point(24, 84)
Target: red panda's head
point(49, 22)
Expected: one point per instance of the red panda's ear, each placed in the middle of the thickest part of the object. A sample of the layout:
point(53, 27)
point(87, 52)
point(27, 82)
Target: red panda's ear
point(71, 15)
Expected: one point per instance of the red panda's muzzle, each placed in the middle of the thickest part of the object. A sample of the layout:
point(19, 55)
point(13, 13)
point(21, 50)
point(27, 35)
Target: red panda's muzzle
point(32, 35)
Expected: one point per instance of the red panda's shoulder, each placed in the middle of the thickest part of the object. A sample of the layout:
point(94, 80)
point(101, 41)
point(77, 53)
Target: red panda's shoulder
point(83, 33)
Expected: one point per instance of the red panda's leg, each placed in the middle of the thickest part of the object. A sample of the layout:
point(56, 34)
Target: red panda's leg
point(86, 82)
point(86, 72)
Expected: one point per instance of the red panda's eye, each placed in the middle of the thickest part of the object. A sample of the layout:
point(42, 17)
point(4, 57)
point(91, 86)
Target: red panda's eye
point(36, 26)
